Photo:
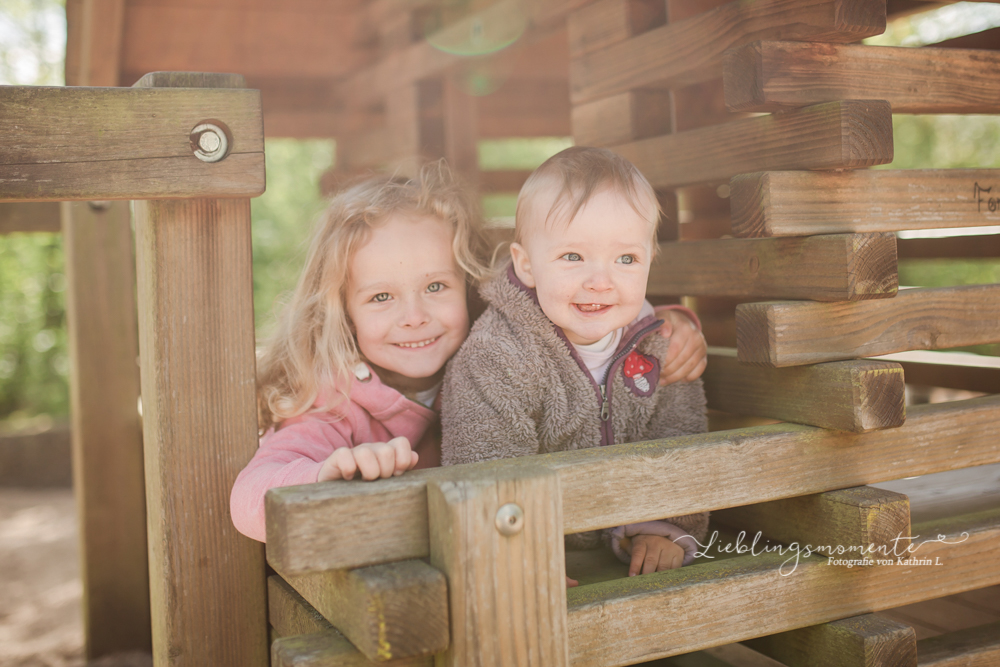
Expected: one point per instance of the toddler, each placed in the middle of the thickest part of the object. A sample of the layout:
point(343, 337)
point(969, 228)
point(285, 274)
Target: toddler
point(347, 386)
point(563, 357)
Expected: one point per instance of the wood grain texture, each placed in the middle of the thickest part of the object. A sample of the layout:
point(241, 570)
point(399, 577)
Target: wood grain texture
point(620, 622)
point(506, 592)
point(636, 114)
point(288, 612)
point(955, 370)
point(835, 135)
point(863, 518)
point(36, 459)
point(799, 203)
point(670, 478)
point(950, 247)
point(330, 649)
point(785, 333)
point(836, 267)
point(974, 647)
point(397, 610)
point(30, 217)
point(770, 76)
point(196, 350)
point(855, 396)
point(107, 430)
point(94, 42)
point(600, 24)
point(869, 640)
point(123, 143)
point(690, 50)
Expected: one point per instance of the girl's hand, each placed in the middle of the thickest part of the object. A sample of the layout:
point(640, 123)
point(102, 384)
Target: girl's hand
point(652, 553)
point(373, 460)
point(688, 351)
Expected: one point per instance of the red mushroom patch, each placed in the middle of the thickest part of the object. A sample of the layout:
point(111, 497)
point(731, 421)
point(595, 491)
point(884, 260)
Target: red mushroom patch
point(641, 373)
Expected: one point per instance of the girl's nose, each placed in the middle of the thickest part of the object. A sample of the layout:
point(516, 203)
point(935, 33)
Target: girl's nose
point(414, 314)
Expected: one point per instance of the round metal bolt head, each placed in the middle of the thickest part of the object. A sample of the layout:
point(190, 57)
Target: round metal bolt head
point(209, 142)
point(99, 206)
point(510, 519)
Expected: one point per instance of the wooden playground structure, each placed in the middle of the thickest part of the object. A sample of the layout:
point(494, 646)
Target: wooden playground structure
point(756, 121)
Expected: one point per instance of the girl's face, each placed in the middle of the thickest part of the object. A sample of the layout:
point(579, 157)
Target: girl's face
point(406, 300)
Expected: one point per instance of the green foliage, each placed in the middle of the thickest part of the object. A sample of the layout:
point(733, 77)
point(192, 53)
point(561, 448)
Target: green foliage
point(33, 39)
point(283, 218)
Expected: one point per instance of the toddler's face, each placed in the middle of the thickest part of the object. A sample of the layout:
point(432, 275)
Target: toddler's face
point(590, 275)
point(406, 299)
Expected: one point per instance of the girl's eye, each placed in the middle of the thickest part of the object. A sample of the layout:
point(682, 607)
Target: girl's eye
point(572, 257)
point(626, 259)
point(435, 287)
point(381, 297)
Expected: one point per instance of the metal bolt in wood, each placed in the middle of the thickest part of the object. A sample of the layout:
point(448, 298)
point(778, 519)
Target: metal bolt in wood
point(209, 142)
point(510, 519)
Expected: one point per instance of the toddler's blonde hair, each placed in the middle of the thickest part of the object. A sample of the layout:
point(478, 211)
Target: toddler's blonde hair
point(578, 173)
point(313, 349)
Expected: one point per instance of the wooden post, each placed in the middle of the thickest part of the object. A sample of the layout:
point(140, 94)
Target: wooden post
point(197, 355)
point(860, 641)
point(498, 536)
point(107, 431)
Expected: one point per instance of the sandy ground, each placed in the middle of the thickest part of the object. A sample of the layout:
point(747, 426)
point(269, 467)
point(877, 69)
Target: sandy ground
point(40, 589)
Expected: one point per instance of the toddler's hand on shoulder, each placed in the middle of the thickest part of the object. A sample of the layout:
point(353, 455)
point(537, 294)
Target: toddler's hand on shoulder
point(372, 460)
point(688, 352)
point(652, 553)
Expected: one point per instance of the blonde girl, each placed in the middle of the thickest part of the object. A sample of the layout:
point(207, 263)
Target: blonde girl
point(347, 385)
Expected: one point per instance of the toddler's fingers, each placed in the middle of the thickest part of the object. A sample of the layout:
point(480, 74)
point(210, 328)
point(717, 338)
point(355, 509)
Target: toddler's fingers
point(570, 583)
point(697, 371)
point(401, 450)
point(638, 554)
point(367, 462)
point(670, 560)
point(651, 561)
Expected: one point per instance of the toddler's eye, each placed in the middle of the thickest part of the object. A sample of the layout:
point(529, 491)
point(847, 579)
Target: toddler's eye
point(626, 259)
point(572, 257)
point(381, 297)
point(435, 287)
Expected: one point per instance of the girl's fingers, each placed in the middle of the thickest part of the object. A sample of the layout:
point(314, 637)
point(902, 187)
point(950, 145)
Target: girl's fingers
point(414, 459)
point(368, 464)
point(385, 454)
point(638, 554)
point(403, 460)
point(570, 583)
point(344, 461)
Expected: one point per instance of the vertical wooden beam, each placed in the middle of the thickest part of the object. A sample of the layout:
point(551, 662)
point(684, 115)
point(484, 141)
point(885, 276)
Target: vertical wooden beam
point(94, 42)
point(107, 430)
point(461, 131)
point(196, 335)
point(506, 589)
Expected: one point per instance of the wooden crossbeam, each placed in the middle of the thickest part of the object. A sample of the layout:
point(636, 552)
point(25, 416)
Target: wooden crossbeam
point(770, 76)
point(955, 370)
point(503, 181)
point(330, 649)
point(601, 24)
point(289, 613)
point(793, 333)
point(621, 622)
point(397, 610)
point(862, 517)
point(621, 118)
point(690, 51)
point(29, 217)
point(835, 135)
point(950, 247)
point(837, 267)
point(860, 641)
point(676, 476)
point(855, 396)
point(125, 143)
point(36, 459)
point(975, 646)
point(798, 203)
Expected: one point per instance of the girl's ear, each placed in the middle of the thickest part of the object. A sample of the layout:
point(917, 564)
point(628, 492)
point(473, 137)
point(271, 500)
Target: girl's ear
point(522, 264)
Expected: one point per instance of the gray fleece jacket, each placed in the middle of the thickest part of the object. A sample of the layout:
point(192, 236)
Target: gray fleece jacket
point(518, 387)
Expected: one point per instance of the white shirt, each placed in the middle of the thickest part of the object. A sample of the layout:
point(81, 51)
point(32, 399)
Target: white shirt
point(597, 356)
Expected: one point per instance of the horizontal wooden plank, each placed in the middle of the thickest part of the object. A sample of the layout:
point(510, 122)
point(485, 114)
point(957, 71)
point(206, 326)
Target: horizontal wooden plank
point(288, 612)
point(125, 143)
point(396, 610)
point(670, 477)
point(800, 203)
point(869, 640)
point(974, 647)
point(950, 247)
point(836, 267)
point(862, 517)
point(40, 459)
point(770, 76)
point(330, 649)
point(600, 24)
point(855, 396)
point(835, 135)
point(955, 370)
point(30, 217)
point(690, 51)
point(503, 181)
point(793, 333)
point(636, 114)
point(621, 622)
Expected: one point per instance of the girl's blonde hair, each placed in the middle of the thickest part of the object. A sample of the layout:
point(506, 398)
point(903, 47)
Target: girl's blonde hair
point(312, 349)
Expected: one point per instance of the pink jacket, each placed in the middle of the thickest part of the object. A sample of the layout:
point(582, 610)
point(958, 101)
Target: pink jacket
point(294, 452)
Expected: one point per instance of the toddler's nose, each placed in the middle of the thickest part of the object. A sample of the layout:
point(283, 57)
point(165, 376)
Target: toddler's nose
point(598, 281)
